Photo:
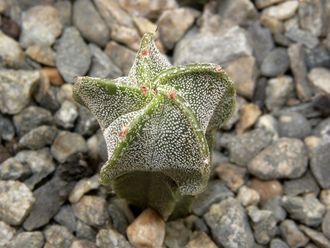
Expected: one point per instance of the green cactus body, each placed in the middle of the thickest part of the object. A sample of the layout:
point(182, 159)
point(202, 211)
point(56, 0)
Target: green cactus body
point(155, 122)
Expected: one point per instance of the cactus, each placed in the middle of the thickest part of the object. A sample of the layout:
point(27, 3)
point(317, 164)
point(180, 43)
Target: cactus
point(158, 124)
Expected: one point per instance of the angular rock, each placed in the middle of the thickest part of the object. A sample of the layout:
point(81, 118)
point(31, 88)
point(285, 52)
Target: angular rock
point(294, 125)
point(307, 209)
point(318, 238)
point(41, 25)
point(282, 11)
point(84, 13)
point(16, 201)
point(111, 238)
point(16, 89)
point(292, 235)
point(244, 147)
point(301, 36)
point(91, 210)
point(232, 175)
point(285, 158)
point(39, 137)
point(12, 169)
point(11, 53)
point(6, 234)
point(42, 54)
point(102, 66)
point(247, 196)
point(28, 240)
point(278, 91)
point(49, 198)
point(320, 79)
point(275, 63)
point(275, 206)
point(216, 191)
point(67, 144)
point(320, 159)
point(40, 162)
point(211, 48)
point(269, 123)
point(303, 185)
point(73, 57)
point(229, 225)
point(200, 239)
point(30, 118)
point(312, 17)
point(147, 230)
point(66, 218)
point(249, 115)
point(84, 231)
point(66, 115)
point(267, 189)
point(243, 71)
point(172, 27)
point(120, 55)
point(299, 70)
point(82, 187)
point(58, 237)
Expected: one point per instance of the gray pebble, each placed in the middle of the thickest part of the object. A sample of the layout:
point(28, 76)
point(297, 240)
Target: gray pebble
point(7, 128)
point(11, 54)
point(66, 218)
point(305, 184)
point(111, 238)
point(12, 169)
point(294, 125)
point(317, 57)
point(326, 224)
point(58, 236)
point(278, 243)
point(83, 244)
point(64, 8)
point(317, 237)
point(6, 234)
point(85, 231)
point(16, 201)
point(285, 158)
point(66, 115)
point(275, 206)
point(275, 63)
point(292, 235)
point(28, 240)
point(39, 137)
point(320, 159)
point(86, 124)
point(73, 57)
point(301, 36)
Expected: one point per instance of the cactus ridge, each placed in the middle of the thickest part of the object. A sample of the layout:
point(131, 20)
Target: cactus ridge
point(157, 118)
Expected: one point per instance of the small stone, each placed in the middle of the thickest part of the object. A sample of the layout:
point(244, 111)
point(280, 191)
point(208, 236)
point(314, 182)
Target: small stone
point(292, 235)
point(40, 162)
point(58, 237)
point(325, 197)
point(92, 210)
point(16, 201)
point(7, 128)
point(86, 124)
point(66, 144)
point(278, 92)
point(39, 137)
point(303, 185)
point(83, 186)
point(299, 70)
point(265, 3)
point(318, 238)
point(275, 63)
point(83, 244)
point(16, 89)
point(320, 79)
point(247, 196)
point(243, 72)
point(147, 230)
point(177, 233)
point(144, 25)
point(320, 159)
point(30, 118)
point(249, 115)
point(128, 36)
point(216, 191)
point(40, 26)
point(66, 115)
point(274, 25)
point(307, 209)
point(229, 225)
point(41, 54)
point(301, 36)
point(84, 231)
point(120, 55)
point(102, 66)
point(282, 11)
point(285, 158)
point(232, 175)
point(200, 239)
point(12, 169)
point(73, 57)
point(172, 27)
point(263, 223)
point(28, 240)
point(326, 224)
point(53, 75)
point(269, 123)
point(275, 206)
point(84, 13)
point(11, 53)
point(323, 129)
point(111, 238)
point(64, 8)
point(266, 189)
point(97, 148)
point(294, 125)
point(278, 243)
point(318, 57)
point(66, 218)
point(6, 234)
point(118, 218)
point(212, 48)
point(311, 16)
point(49, 198)
point(244, 147)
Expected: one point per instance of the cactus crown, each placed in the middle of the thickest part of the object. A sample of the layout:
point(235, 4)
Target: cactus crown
point(155, 122)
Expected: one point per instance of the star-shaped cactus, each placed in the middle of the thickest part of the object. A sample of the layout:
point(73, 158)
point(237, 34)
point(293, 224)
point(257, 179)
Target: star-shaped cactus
point(155, 122)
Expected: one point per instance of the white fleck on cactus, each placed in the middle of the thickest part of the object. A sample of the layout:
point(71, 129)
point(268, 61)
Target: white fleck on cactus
point(157, 123)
